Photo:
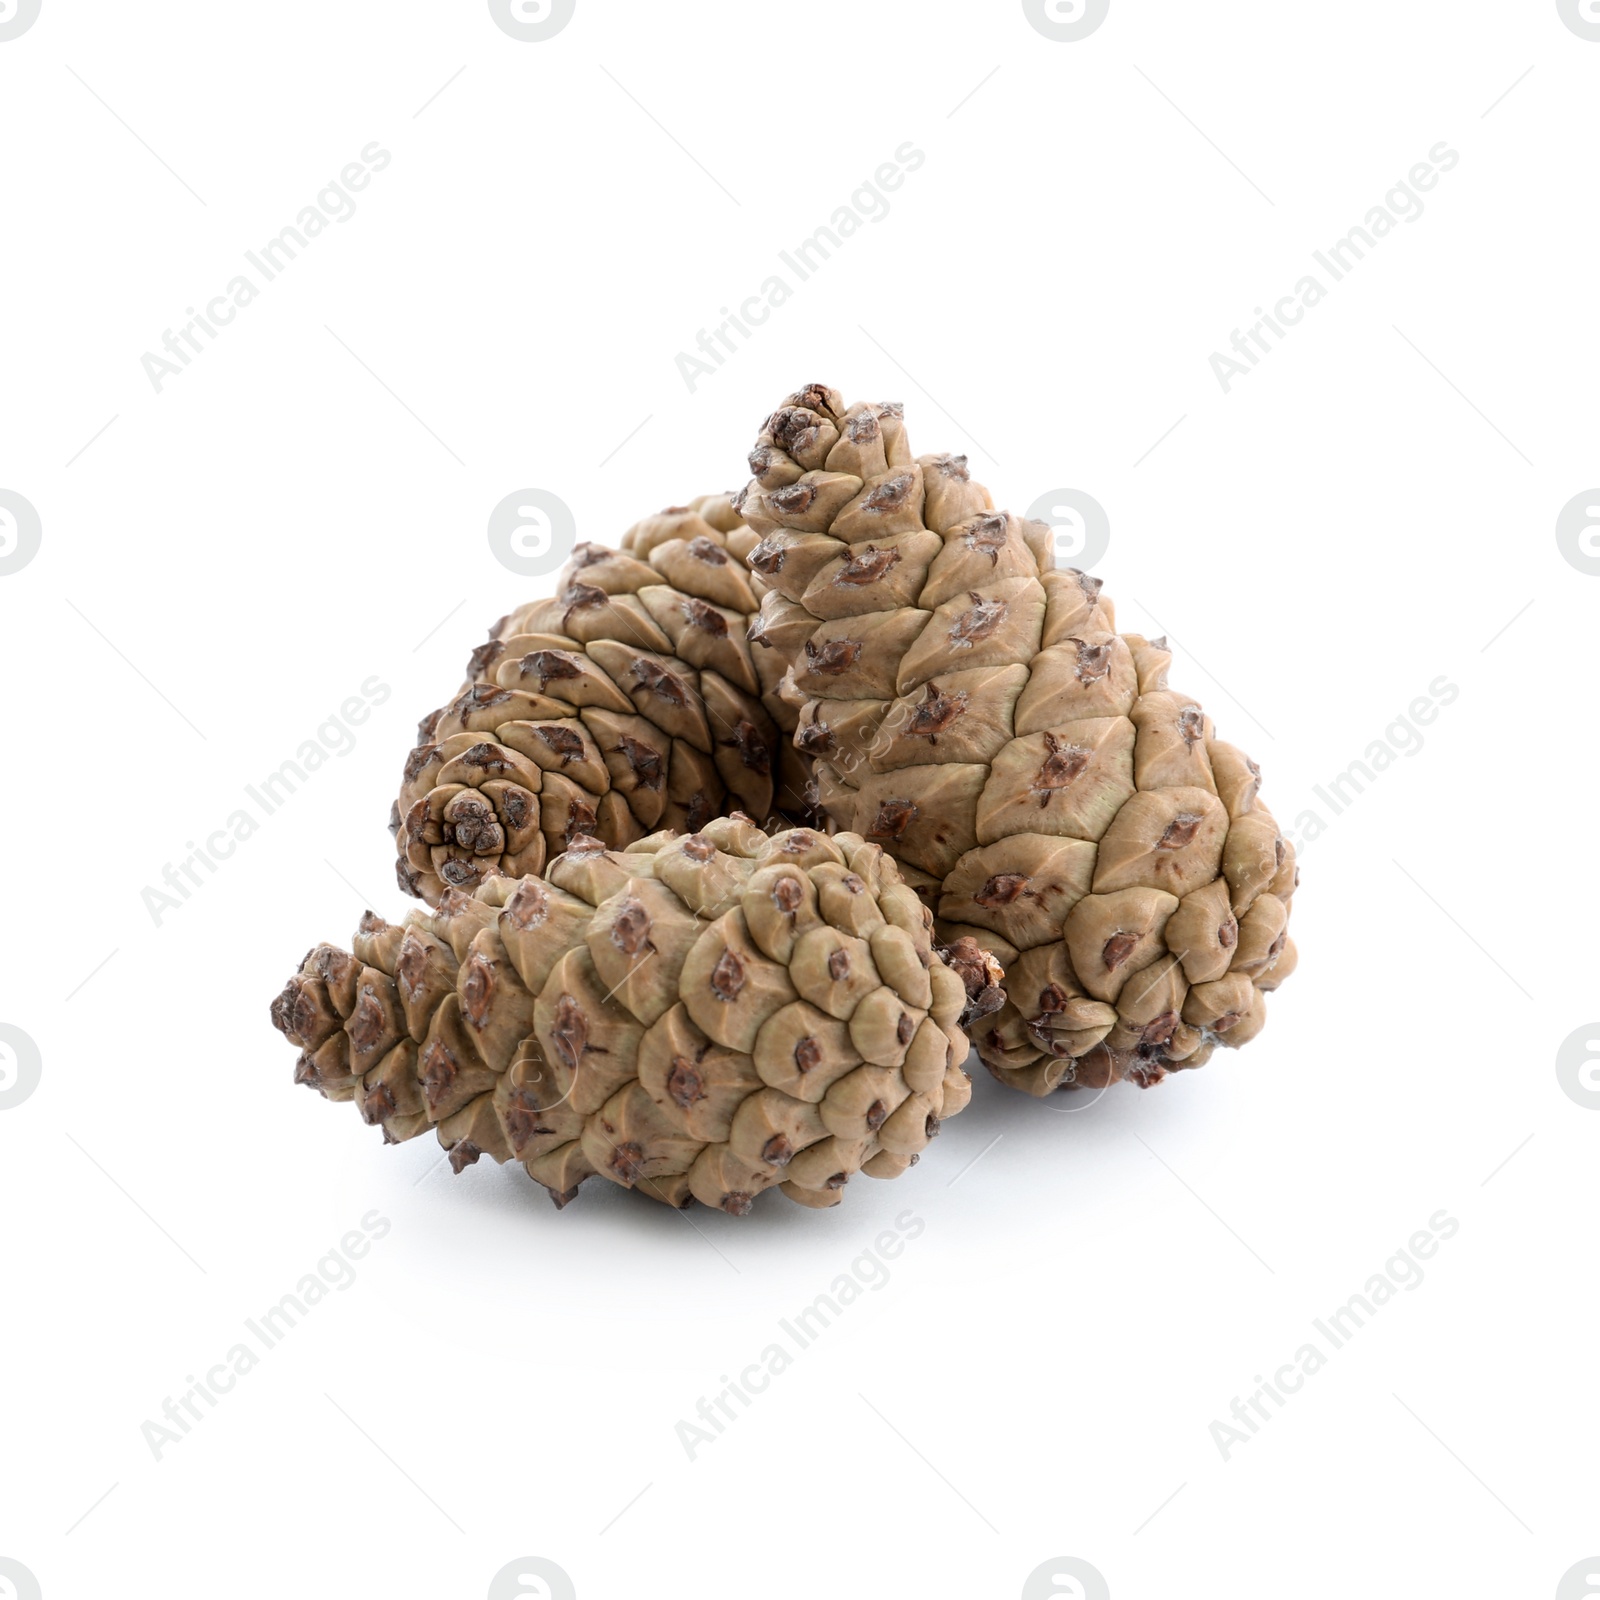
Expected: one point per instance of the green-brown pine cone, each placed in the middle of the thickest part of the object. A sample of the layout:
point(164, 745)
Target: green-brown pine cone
point(697, 1017)
point(976, 713)
point(626, 703)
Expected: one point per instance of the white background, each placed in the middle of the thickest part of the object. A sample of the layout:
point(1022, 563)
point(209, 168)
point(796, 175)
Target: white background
point(1372, 508)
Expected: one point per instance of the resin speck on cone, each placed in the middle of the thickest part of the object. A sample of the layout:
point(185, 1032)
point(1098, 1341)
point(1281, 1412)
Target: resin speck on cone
point(697, 1017)
point(975, 712)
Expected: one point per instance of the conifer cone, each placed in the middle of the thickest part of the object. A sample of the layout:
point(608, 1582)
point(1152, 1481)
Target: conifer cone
point(699, 1017)
point(626, 703)
point(976, 713)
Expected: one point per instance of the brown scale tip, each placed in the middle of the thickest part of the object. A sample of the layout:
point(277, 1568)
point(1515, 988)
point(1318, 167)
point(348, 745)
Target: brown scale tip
point(777, 1151)
point(463, 1153)
point(630, 928)
point(807, 1054)
point(1062, 765)
point(708, 551)
point(705, 617)
point(583, 597)
point(836, 656)
point(936, 711)
point(977, 622)
point(1002, 889)
point(486, 757)
point(560, 741)
point(627, 1161)
point(794, 500)
point(569, 1031)
point(1117, 950)
point(787, 896)
point(561, 1198)
point(816, 738)
point(728, 976)
point(767, 557)
point(547, 664)
point(1180, 831)
point(478, 990)
point(287, 1007)
point(529, 906)
point(893, 818)
point(737, 1202)
point(870, 566)
point(890, 495)
point(649, 770)
point(439, 1071)
point(684, 1083)
point(752, 748)
point(839, 965)
point(377, 1105)
point(980, 973)
point(1094, 660)
point(877, 1115)
point(418, 759)
point(987, 535)
point(698, 848)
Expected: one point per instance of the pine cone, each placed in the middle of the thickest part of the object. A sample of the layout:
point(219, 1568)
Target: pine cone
point(696, 1017)
point(628, 702)
point(976, 713)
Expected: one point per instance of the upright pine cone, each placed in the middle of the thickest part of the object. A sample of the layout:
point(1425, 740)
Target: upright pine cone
point(976, 713)
point(697, 1017)
point(626, 703)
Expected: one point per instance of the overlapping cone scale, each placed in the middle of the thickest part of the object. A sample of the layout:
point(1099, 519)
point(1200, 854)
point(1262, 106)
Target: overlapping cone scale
point(628, 702)
point(697, 1016)
point(974, 711)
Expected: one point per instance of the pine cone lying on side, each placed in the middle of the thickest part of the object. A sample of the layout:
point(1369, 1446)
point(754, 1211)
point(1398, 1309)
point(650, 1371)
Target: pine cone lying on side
point(976, 713)
point(696, 1017)
point(626, 703)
